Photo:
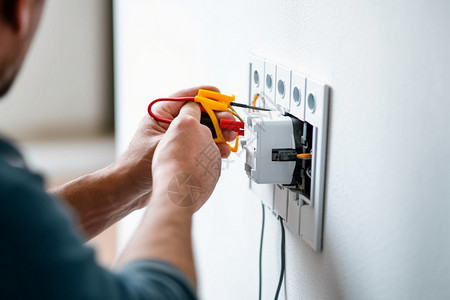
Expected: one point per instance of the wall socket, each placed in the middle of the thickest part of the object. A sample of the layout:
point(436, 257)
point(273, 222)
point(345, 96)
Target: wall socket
point(300, 205)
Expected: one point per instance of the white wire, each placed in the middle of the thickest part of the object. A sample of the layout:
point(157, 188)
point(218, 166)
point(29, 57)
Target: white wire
point(308, 172)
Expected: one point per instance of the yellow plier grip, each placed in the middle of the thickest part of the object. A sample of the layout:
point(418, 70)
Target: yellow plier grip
point(212, 102)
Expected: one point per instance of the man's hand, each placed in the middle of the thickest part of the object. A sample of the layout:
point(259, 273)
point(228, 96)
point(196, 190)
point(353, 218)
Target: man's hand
point(138, 157)
point(186, 167)
point(104, 197)
point(187, 162)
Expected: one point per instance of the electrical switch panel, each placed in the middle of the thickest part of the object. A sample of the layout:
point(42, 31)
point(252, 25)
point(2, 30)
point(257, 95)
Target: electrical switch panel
point(286, 147)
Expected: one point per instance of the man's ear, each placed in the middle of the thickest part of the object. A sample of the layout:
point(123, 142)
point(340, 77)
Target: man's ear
point(18, 13)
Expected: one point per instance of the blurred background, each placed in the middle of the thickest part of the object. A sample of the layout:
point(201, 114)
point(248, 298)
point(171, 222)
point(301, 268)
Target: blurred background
point(61, 107)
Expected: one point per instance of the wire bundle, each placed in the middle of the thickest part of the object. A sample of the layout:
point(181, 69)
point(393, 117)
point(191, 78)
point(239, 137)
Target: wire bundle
point(283, 255)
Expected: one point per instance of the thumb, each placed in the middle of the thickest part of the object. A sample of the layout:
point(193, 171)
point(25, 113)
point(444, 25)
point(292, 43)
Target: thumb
point(191, 108)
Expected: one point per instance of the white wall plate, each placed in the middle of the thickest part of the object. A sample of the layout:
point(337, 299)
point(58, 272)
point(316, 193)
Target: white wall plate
point(316, 114)
point(307, 100)
point(269, 80)
point(293, 217)
point(280, 204)
point(298, 89)
point(283, 87)
point(256, 77)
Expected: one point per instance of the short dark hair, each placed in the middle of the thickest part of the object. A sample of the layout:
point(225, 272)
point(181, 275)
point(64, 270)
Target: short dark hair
point(7, 10)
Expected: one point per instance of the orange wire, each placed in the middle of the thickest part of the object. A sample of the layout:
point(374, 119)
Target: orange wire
point(304, 155)
point(254, 100)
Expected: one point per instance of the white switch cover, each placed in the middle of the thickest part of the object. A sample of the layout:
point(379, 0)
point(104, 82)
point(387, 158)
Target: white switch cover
point(280, 201)
point(283, 87)
point(298, 89)
point(263, 192)
point(316, 114)
point(307, 100)
point(269, 80)
point(293, 217)
point(256, 77)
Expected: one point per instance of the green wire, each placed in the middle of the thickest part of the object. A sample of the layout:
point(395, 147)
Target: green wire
point(260, 250)
point(283, 258)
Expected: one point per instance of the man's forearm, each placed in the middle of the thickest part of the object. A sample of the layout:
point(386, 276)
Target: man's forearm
point(165, 234)
point(100, 199)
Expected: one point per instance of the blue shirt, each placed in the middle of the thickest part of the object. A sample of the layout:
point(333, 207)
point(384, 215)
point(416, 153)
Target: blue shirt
point(43, 257)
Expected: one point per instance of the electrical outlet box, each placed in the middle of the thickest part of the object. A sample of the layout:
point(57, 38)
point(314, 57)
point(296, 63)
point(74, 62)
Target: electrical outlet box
point(266, 136)
point(298, 125)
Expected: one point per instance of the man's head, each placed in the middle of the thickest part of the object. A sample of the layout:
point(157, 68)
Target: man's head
point(18, 22)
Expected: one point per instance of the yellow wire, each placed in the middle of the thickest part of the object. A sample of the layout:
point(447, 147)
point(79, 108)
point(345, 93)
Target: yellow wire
point(254, 100)
point(235, 113)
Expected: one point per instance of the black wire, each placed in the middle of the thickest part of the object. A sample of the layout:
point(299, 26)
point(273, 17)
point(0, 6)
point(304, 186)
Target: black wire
point(249, 106)
point(283, 259)
point(260, 249)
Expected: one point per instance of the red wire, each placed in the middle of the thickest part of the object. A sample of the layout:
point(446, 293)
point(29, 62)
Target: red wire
point(164, 120)
point(225, 124)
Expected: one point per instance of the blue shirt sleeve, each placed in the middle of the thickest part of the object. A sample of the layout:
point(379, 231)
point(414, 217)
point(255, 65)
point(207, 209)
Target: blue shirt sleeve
point(42, 257)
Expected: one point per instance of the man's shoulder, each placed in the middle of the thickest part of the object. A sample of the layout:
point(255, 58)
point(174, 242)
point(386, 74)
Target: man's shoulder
point(14, 175)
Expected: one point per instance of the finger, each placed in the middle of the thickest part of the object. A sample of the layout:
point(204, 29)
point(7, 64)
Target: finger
point(224, 115)
point(224, 150)
point(191, 92)
point(192, 109)
point(170, 110)
point(229, 135)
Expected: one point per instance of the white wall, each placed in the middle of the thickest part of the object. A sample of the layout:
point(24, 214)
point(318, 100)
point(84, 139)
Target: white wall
point(65, 86)
point(386, 223)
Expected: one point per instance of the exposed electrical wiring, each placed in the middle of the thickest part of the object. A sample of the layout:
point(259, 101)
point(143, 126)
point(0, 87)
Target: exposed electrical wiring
point(308, 172)
point(249, 106)
point(263, 218)
point(283, 258)
point(255, 98)
point(304, 155)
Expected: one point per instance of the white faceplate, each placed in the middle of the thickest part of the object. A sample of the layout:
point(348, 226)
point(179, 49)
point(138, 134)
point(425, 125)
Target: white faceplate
point(307, 100)
point(283, 87)
point(270, 70)
point(316, 114)
point(298, 88)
